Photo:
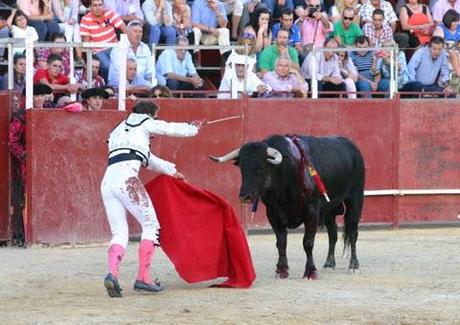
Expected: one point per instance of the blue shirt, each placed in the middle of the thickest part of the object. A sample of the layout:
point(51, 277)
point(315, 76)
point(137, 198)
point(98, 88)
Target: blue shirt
point(143, 57)
point(448, 35)
point(169, 63)
point(294, 34)
point(403, 73)
point(202, 14)
point(423, 68)
point(363, 64)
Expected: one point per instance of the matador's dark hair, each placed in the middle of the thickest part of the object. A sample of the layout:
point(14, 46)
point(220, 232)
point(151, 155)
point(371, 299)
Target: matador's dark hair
point(145, 108)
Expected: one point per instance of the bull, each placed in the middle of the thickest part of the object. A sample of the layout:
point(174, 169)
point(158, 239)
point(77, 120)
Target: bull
point(272, 170)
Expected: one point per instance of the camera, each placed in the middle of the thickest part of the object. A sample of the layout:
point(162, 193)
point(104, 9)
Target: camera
point(312, 10)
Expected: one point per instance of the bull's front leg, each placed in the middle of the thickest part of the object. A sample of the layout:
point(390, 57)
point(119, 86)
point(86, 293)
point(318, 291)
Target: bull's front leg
point(282, 267)
point(311, 224)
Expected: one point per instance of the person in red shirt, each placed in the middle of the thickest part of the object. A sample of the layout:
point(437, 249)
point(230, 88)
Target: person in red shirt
point(53, 76)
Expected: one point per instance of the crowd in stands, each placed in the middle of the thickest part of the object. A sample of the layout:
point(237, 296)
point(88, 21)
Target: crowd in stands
point(279, 38)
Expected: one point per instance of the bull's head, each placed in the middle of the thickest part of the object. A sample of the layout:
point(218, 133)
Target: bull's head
point(255, 160)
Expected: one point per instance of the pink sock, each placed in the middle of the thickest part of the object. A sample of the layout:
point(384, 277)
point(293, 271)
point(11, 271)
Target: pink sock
point(146, 250)
point(116, 253)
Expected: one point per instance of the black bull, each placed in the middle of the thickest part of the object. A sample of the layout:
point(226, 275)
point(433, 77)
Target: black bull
point(271, 170)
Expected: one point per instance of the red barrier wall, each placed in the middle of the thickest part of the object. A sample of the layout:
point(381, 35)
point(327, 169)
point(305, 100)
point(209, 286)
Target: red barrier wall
point(67, 156)
point(429, 157)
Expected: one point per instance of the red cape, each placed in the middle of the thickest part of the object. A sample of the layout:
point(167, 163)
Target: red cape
point(201, 234)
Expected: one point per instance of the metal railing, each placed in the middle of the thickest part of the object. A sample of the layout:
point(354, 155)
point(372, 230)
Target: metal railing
point(122, 45)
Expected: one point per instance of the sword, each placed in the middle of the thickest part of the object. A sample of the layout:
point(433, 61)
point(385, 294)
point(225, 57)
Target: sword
point(235, 117)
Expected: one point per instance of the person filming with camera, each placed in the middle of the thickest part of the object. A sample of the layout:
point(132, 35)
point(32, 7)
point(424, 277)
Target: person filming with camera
point(315, 27)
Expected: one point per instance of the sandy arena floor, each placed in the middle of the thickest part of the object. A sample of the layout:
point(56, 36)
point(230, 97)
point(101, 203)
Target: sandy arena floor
point(406, 277)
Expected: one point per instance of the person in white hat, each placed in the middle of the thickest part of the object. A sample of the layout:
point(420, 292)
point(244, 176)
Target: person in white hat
point(233, 80)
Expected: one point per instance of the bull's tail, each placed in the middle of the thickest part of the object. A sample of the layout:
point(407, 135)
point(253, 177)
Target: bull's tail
point(351, 220)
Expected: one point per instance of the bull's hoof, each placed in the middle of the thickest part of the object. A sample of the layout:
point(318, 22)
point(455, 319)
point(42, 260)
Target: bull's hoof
point(311, 275)
point(282, 272)
point(354, 265)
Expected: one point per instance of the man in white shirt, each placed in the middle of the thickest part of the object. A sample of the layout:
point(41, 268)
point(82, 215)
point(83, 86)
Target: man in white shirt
point(138, 51)
point(176, 70)
point(327, 69)
point(233, 80)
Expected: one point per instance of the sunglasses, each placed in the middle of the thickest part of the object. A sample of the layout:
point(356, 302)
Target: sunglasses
point(348, 18)
point(318, 6)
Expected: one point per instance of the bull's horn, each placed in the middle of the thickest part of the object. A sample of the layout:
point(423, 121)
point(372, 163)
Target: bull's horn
point(231, 155)
point(274, 156)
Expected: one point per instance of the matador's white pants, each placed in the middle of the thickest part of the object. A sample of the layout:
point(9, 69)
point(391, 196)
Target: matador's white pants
point(122, 191)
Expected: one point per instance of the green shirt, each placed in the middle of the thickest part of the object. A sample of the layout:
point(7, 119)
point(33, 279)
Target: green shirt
point(269, 55)
point(349, 35)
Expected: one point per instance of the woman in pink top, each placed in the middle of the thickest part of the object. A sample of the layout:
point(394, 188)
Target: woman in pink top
point(40, 17)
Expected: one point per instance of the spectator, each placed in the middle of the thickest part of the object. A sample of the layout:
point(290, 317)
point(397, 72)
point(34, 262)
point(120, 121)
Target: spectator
point(346, 30)
point(248, 41)
point(44, 53)
point(19, 74)
point(4, 33)
point(134, 82)
point(66, 12)
point(369, 78)
point(94, 98)
point(209, 23)
point(128, 10)
point(17, 24)
point(416, 19)
point(40, 17)
point(175, 69)
point(327, 69)
point(160, 91)
point(259, 28)
point(97, 82)
point(285, 79)
point(159, 15)
point(429, 65)
point(235, 9)
point(53, 77)
point(138, 51)
point(287, 22)
point(182, 19)
point(315, 27)
point(454, 57)
point(450, 28)
point(348, 72)
point(383, 65)
point(389, 15)
point(376, 31)
point(99, 26)
point(271, 53)
point(389, 18)
point(277, 6)
point(440, 8)
point(337, 10)
point(233, 80)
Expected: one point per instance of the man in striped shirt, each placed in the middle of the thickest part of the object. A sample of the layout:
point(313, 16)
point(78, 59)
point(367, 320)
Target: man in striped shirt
point(98, 26)
point(369, 78)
